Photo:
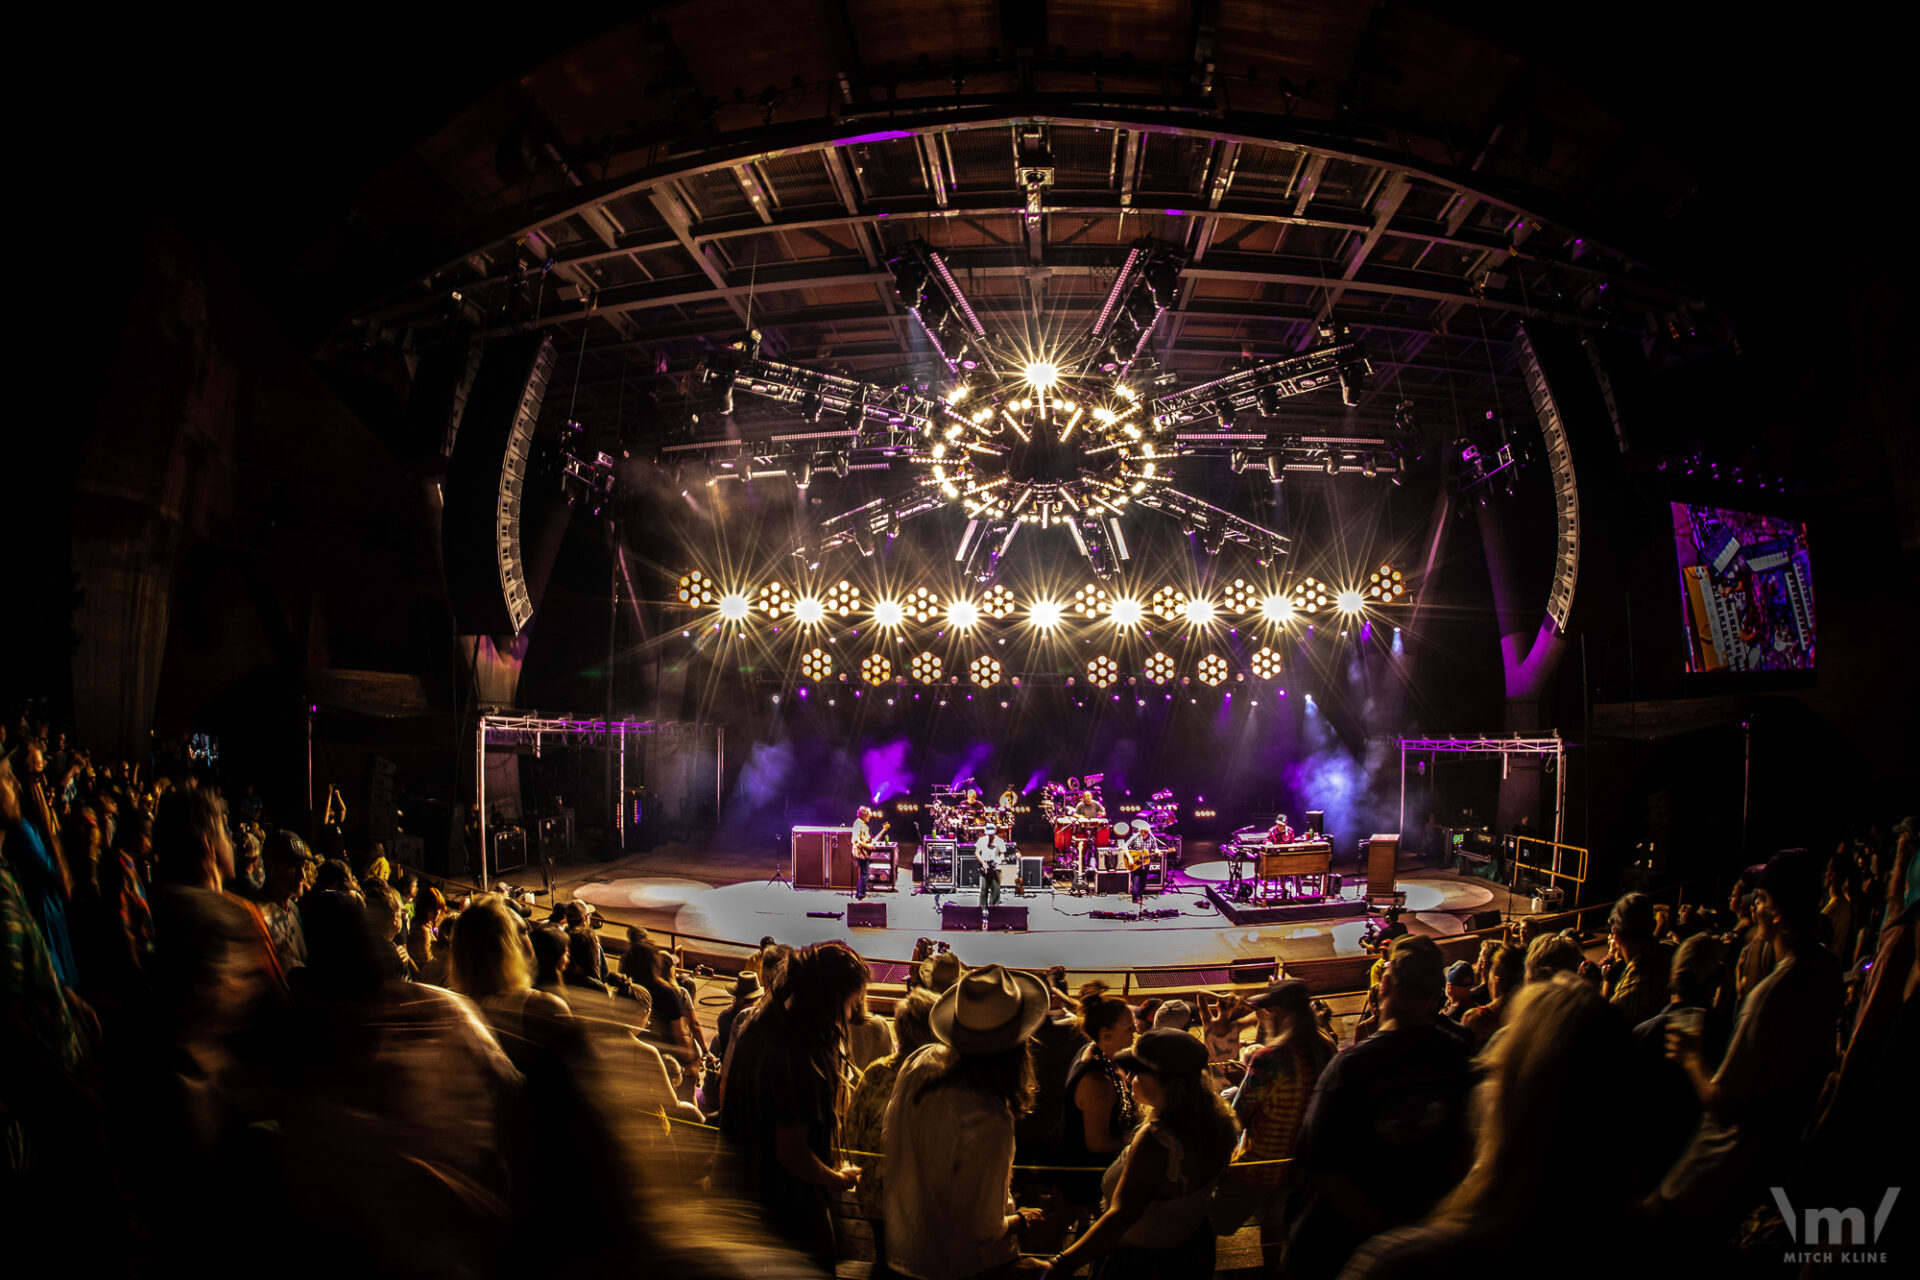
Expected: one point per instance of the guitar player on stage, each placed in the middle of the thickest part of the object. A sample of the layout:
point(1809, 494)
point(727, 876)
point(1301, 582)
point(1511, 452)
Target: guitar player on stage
point(990, 851)
point(1137, 855)
point(863, 844)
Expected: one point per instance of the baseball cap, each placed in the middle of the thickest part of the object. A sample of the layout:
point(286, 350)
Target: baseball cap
point(1459, 974)
point(1174, 1014)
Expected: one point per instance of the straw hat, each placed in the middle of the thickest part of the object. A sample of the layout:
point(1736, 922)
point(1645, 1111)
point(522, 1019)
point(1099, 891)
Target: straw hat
point(990, 1010)
point(939, 972)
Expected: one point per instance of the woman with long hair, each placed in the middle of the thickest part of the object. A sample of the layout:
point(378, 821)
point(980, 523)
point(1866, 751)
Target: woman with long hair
point(1154, 1225)
point(1099, 1113)
point(787, 1095)
point(1553, 1084)
point(865, 1127)
point(1505, 976)
point(1271, 1104)
point(950, 1131)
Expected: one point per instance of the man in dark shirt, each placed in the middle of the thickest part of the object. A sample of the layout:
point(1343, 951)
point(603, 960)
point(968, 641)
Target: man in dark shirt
point(1385, 1134)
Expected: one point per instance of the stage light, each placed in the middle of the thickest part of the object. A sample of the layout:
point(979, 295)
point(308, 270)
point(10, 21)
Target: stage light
point(1090, 601)
point(984, 670)
point(775, 600)
point(1213, 669)
point(962, 614)
point(1102, 671)
point(817, 665)
point(734, 607)
point(843, 598)
point(1386, 585)
point(1266, 664)
point(697, 590)
point(921, 605)
point(1125, 612)
point(888, 613)
point(1044, 614)
point(1199, 611)
point(877, 669)
point(1170, 603)
point(1159, 668)
point(809, 611)
point(927, 668)
point(1238, 597)
point(1350, 601)
point(1277, 609)
point(1041, 375)
point(1310, 596)
point(998, 602)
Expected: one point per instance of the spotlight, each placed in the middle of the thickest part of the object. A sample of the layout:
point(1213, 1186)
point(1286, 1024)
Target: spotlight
point(1310, 596)
point(985, 670)
point(1042, 375)
point(1213, 669)
point(734, 607)
point(1350, 602)
point(921, 605)
point(1237, 597)
point(1090, 600)
point(1386, 585)
point(1277, 609)
point(697, 589)
point(844, 598)
point(774, 600)
point(1225, 409)
point(1044, 614)
point(1170, 603)
point(863, 538)
point(962, 614)
point(998, 602)
point(1199, 611)
point(809, 611)
point(1266, 664)
point(1237, 461)
point(927, 667)
point(1125, 612)
point(1102, 671)
point(817, 665)
point(1268, 401)
point(877, 669)
point(1216, 539)
point(1159, 668)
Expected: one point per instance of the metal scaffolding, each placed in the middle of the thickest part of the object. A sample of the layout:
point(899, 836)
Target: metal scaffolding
point(531, 729)
point(1504, 749)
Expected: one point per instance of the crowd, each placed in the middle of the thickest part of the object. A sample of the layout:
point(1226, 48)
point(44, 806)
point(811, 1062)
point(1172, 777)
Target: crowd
point(224, 1051)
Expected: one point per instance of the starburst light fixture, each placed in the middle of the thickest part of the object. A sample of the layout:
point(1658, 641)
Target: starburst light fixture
point(1159, 668)
point(985, 670)
point(962, 614)
point(1213, 669)
point(877, 669)
point(1125, 612)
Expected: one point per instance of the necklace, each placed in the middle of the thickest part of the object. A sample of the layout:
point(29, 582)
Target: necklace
point(1119, 1087)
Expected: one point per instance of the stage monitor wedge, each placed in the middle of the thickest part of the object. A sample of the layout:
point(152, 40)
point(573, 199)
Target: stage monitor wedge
point(480, 518)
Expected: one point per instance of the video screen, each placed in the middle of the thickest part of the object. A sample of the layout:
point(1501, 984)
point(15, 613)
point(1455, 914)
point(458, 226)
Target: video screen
point(1746, 585)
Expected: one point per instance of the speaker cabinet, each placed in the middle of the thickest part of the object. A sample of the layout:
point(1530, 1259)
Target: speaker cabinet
point(1006, 919)
point(1111, 882)
point(959, 916)
point(1031, 870)
point(969, 869)
point(822, 857)
point(866, 915)
point(1484, 920)
point(480, 518)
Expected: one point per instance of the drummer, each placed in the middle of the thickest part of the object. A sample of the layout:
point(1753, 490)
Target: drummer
point(1087, 814)
point(1089, 809)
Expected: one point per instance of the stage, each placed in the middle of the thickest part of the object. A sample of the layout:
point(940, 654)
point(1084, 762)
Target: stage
point(702, 892)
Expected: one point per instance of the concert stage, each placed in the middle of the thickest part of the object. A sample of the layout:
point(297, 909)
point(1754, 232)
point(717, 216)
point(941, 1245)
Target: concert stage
point(682, 892)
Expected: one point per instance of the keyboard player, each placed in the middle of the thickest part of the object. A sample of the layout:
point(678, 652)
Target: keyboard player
point(1281, 833)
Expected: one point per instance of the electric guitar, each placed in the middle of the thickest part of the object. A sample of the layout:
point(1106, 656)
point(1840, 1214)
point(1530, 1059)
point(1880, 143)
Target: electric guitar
point(863, 852)
point(989, 861)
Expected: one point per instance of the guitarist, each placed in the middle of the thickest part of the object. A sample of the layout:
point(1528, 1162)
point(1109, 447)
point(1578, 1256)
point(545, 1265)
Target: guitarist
point(990, 850)
point(863, 845)
point(1137, 856)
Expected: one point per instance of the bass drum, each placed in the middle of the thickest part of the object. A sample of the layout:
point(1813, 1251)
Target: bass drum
point(1102, 836)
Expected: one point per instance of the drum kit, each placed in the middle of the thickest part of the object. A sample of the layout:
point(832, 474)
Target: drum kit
point(958, 812)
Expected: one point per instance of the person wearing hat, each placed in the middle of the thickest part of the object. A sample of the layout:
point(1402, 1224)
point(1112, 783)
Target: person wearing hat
point(1271, 1104)
point(1386, 1133)
point(1757, 1103)
point(1460, 983)
point(949, 1130)
point(938, 972)
point(1174, 1014)
point(1154, 1222)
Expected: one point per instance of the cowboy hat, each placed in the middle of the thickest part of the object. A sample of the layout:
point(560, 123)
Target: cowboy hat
point(1164, 1052)
point(939, 972)
point(990, 1010)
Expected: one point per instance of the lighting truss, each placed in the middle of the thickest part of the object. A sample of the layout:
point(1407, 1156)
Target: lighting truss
point(1043, 438)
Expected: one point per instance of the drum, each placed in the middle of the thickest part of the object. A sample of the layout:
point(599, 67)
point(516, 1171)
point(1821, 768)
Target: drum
point(1062, 838)
point(1102, 836)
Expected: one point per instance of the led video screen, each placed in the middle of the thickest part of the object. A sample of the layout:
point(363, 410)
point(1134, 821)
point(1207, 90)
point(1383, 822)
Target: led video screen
point(1746, 586)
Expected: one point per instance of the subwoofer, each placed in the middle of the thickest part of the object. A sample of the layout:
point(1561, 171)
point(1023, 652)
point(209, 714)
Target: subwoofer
point(866, 915)
point(1006, 919)
point(959, 916)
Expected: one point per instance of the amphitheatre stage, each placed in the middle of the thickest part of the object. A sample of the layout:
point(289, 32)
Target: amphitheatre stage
point(711, 894)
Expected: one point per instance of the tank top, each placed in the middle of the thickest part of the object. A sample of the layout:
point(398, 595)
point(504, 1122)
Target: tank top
point(1166, 1223)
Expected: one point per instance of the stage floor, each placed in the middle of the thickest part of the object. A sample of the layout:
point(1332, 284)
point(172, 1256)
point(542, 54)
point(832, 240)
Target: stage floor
point(702, 893)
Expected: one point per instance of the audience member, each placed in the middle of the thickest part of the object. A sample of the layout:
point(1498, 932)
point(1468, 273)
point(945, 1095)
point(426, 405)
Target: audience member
point(1552, 953)
point(1386, 1128)
point(1505, 977)
point(1761, 1096)
point(787, 1095)
point(1552, 1087)
point(1636, 967)
point(865, 1128)
point(1098, 1114)
point(1155, 1225)
point(949, 1130)
point(1271, 1104)
point(1056, 1042)
point(287, 866)
point(1460, 983)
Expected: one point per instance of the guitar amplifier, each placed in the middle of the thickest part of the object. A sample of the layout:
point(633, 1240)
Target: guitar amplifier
point(1031, 871)
point(1112, 882)
point(509, 851)
point(817, 854)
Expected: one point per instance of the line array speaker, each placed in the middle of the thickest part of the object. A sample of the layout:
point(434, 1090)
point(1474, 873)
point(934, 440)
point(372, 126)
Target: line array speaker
point(480, 520)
